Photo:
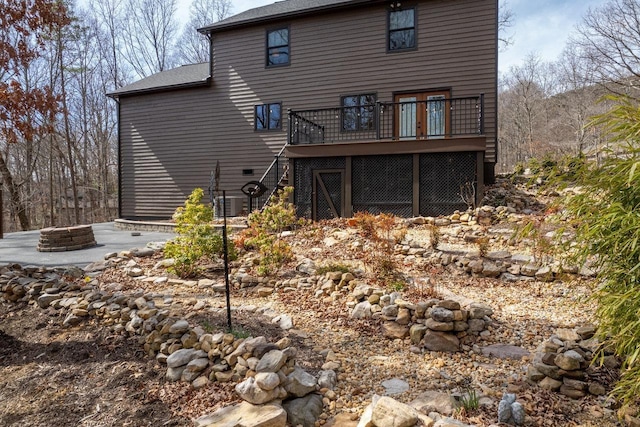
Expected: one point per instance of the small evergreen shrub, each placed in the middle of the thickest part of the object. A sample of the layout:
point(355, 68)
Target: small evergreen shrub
point(197, 238)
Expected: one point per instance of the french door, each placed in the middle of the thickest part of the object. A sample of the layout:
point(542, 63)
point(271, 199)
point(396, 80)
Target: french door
point(422, 115)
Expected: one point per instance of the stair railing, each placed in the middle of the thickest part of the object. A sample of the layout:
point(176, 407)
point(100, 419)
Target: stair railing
point(273, 177)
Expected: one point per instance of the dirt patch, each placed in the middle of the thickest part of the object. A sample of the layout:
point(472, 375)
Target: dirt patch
point(50, 376)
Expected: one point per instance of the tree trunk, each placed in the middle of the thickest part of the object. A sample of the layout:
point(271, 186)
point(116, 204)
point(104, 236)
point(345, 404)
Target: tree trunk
point(14, 195)
point(67, 131)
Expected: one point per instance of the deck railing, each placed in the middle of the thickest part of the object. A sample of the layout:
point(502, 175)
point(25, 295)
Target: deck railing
point(434, 118)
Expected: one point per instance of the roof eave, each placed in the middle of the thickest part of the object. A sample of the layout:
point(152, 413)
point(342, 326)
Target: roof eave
point(280, 16)
point(201, 83)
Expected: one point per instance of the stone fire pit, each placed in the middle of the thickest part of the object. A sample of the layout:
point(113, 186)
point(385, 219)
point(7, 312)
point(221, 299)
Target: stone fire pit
point(61, 239)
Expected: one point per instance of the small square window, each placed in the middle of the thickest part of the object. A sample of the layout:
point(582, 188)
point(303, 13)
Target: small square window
point(402, 29)
point(278, 47)
point(268, 116)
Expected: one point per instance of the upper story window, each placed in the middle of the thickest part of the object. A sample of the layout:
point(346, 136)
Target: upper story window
point(278, 47)
point(358, 112)
point(268, 116)
point(402, 28)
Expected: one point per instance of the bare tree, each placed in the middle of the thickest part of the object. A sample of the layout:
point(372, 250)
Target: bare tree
point(609, 38)
point(575, 104)
point(193, 47)
point(107, 17)
point(151, 29)
point(505, 22)
point(522, 112)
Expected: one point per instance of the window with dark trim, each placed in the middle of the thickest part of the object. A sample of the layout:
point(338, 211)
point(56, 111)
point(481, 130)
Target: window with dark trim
point(402, 28)
point(358, 112)
point(268, 116)
point(278, 47)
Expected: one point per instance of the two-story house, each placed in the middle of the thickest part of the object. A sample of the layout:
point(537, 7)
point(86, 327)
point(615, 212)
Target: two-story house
point(368, 105)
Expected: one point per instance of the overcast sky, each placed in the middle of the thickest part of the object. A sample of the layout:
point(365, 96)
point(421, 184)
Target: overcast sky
point(540, 26)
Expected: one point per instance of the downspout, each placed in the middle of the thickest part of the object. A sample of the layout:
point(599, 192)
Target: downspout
point(210, 37)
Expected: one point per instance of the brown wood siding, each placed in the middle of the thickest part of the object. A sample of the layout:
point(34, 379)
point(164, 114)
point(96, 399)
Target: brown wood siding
point(170, 141)
point(169, 145)
point(345, 53)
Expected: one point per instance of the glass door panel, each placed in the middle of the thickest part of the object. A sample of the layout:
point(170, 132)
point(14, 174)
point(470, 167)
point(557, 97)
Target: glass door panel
point(407, 111)
point(436, 123)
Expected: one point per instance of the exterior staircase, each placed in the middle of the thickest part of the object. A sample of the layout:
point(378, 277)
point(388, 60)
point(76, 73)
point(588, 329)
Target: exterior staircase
point(275, 178)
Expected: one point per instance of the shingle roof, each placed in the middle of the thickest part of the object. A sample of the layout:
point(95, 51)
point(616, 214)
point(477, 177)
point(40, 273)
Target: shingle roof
point(280, 9)
point(191, 75)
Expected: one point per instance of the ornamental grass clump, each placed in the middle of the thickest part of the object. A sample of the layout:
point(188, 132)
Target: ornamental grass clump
point(606, 215)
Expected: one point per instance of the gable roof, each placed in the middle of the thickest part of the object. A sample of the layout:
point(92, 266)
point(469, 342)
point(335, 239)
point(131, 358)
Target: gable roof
point(280, 10)
point(185, 76)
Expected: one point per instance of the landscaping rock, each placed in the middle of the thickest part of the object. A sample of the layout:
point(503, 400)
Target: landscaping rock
point(362, 310)
point(440, 341)
point(388, 412)
point(272, 361)
point(566, 362)
point(250, 391)
point(416, 332)
point(245, 415)
point(450, 422)
point(46, 299)
point(300, 383)
point(505, 351)
point(267, 380)
point(180, 357)
point(435, 401)
point(394, 331)
point(567, 334)
point(304, 411)
point(327, 379)
point(179, 327)
point(550, 384)
point(441, 314)
point(395, 386)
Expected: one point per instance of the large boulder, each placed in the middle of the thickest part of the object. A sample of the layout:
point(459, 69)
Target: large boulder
point(300, 383)
point(440, 341)
point(182, 357)
point(389, 412)
point(245, 415)
point(304, 411)
point(250, 391)
point(435, 401)
point(272, 361)
point(394, 330)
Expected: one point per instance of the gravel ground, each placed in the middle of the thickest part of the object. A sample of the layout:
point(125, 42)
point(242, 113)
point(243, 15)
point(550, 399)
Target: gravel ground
point(526, 314)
